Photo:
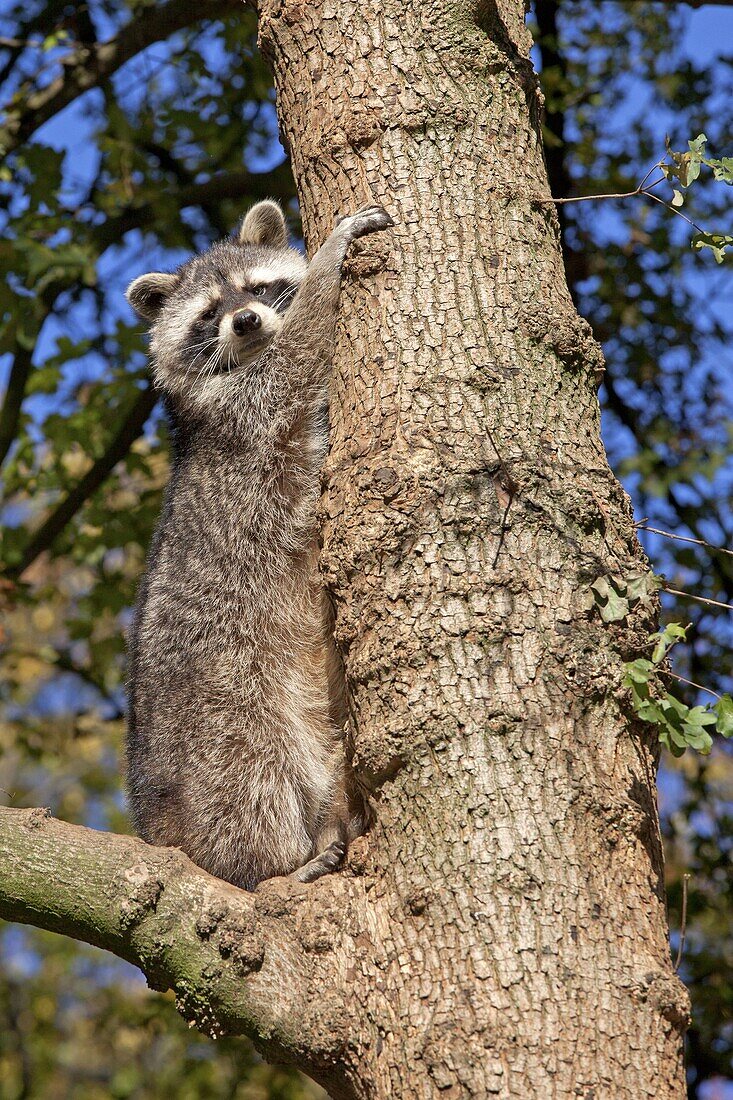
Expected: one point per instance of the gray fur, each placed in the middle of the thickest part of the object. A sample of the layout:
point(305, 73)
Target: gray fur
point(235, 740)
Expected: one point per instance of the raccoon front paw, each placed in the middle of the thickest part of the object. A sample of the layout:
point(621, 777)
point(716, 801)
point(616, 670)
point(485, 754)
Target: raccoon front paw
point(370, 219)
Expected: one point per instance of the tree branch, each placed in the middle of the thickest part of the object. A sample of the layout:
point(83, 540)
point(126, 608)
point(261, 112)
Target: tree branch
point(234, 968)
point(276, 183)
point(119, 445)
point(85, 67)
point(14, 394)
point(45, 18)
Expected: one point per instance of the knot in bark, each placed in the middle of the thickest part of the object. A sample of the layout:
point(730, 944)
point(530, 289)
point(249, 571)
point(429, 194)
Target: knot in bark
point(567, 334)
point(210, 919)
point(243, 943)
point(366, 259)
point(668, 995)
point(140, 889)
point(37, 817)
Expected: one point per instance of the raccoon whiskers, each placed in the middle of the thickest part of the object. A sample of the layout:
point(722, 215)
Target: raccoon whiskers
point(202, 344)
point(209, 342)
point(232, 360)
point(215, 363)
point(281, 298)
point(203, 347)
point(207, 369)
point(201, 370)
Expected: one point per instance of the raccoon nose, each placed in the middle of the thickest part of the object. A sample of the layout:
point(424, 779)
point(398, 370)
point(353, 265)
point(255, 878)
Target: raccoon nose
point(244, 320)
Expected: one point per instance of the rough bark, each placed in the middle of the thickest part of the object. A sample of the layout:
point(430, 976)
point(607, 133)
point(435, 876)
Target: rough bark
point(238, 962)
point(501, 931)
point(517, 910)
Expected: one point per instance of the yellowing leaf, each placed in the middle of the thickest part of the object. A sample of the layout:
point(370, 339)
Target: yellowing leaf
point(43, 618)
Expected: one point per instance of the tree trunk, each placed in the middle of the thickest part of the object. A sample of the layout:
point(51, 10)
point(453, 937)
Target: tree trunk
point(501, 931)
point(513, 880)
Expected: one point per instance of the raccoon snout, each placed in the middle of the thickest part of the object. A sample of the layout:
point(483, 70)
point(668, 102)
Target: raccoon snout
point(244, 321)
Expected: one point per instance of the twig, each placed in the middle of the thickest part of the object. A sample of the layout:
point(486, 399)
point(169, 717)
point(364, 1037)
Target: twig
point(48, 15)
point(591, 198)
point(502, 530)
point(642, 188)
point(683, 680)
point(700, 599)
point(674, 210)
point(683, 538)
point(638, 190)
point(683, 922)
point(20, 43)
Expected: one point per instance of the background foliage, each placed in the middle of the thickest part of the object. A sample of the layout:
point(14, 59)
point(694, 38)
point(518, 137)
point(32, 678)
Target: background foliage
point(618, 77)
point(125, 157)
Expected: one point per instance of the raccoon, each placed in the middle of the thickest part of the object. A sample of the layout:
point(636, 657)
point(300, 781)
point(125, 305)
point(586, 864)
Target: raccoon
point(236, 703)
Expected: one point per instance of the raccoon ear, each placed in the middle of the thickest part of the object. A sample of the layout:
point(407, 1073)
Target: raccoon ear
point(264, 224)
point(148, 293)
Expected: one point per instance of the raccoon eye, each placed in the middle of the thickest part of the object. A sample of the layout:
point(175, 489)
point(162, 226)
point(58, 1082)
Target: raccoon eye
point(259, 290)
point(210, 313)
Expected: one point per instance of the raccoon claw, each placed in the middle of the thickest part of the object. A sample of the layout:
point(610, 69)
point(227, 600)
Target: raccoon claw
point(323, 864)
point(369, 219)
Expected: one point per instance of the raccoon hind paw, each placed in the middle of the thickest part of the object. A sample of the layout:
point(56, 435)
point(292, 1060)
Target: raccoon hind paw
point(330, 859)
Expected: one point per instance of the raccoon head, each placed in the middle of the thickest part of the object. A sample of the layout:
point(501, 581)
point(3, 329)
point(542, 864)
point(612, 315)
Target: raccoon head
point(220, 311)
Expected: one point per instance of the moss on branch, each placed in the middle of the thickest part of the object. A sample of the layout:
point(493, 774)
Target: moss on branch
point(234, 968)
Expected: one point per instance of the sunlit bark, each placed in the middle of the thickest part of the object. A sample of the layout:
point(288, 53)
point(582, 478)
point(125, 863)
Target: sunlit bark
point(501, 931)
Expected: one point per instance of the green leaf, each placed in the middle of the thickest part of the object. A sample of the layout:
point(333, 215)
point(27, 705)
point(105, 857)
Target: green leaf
point(675, 709)
point(699, 740)
point(675, 630)
point(724, 709)
point(665, 639)
point(722, 169)
point(641, 586)
point(689, 170)
point(640, 670)
point(51, 41)
point(640, 693)
point(716, 242)
point(650, 712)
point(612, 604)
point(697, 145)
point(44, 380)
point(678, 198)
point(666, 739)
point(701, 716)
point(676, 736)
